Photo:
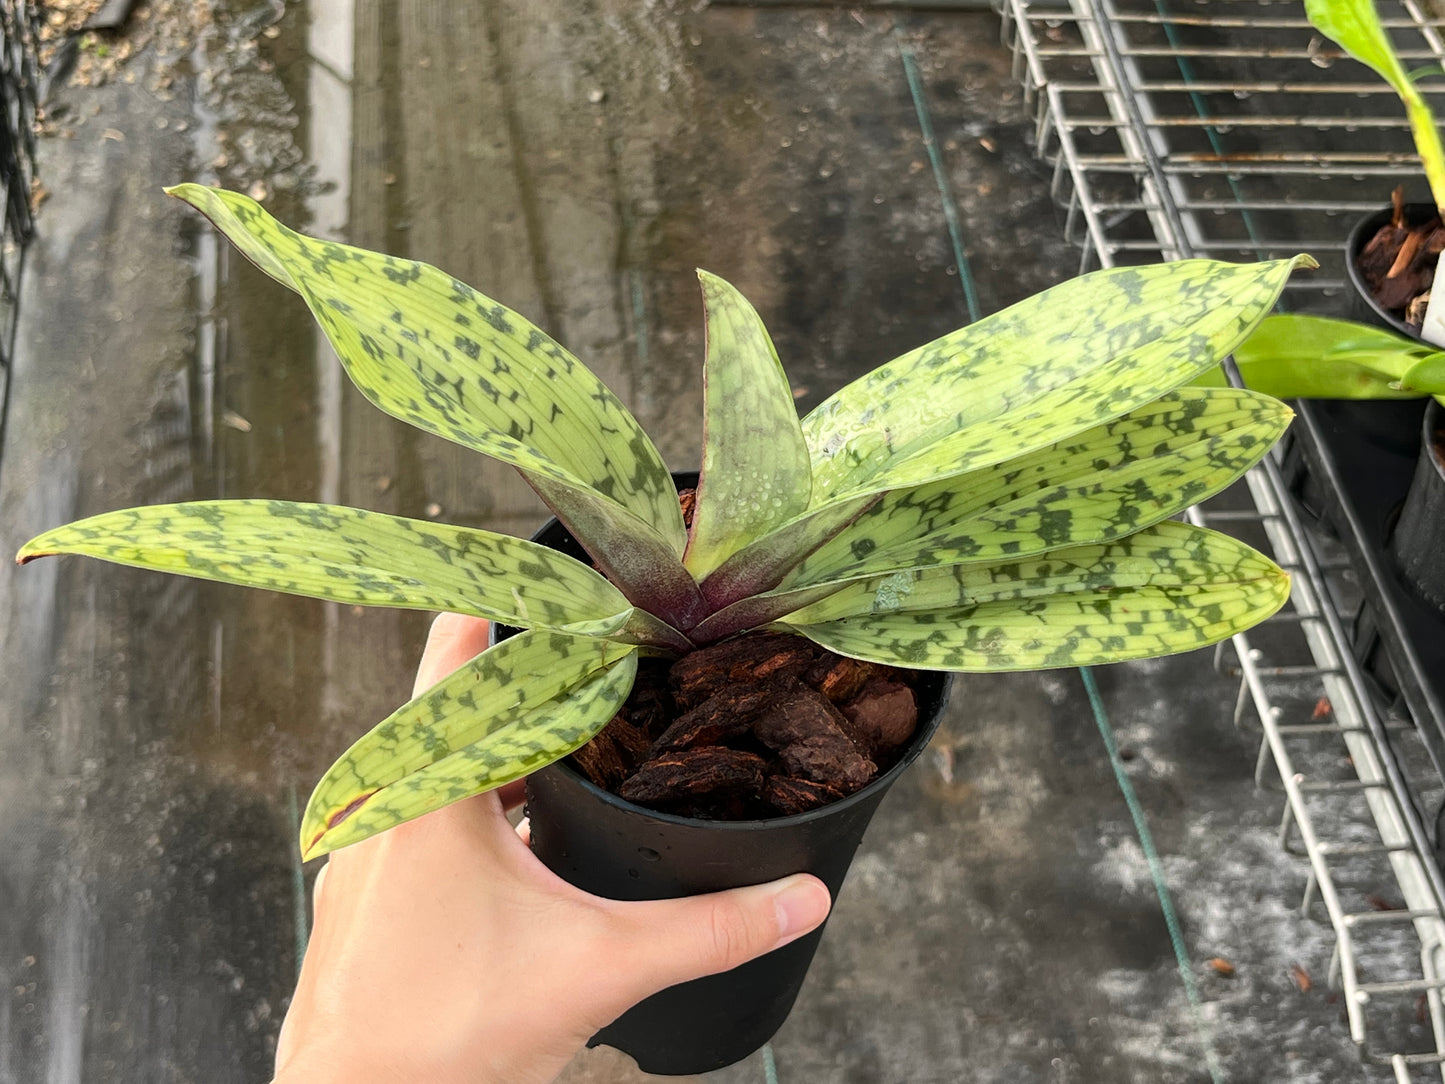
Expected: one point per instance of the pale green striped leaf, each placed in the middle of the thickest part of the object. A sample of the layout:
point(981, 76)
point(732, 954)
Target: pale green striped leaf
point(755, 472)
point(1170, 588)
point(515, 708)
point(348, 555)
point(430, 350)
point(1099, 485)
point(1072, 357)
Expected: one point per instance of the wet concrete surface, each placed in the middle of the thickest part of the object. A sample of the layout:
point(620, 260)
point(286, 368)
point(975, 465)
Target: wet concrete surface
point(576, 161)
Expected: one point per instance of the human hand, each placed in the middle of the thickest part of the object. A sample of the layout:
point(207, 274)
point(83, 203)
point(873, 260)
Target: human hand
point(443, 951)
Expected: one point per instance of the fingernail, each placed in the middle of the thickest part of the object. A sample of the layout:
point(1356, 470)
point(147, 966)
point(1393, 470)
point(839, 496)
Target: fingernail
point(802, 904)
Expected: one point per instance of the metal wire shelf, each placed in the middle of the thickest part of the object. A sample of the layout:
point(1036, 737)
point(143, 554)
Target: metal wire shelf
point(1229, 129)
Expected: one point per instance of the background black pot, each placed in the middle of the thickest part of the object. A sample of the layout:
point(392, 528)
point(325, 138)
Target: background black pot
point(1390, 424)
point(610, 847)
point(1362, 304)
point(1418, 541)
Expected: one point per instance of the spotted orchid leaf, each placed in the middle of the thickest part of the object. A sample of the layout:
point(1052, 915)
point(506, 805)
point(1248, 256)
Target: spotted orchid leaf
point(1297, 356)
point(755, 473)
point(430, 350)
point(1103, 484)
point(1075, 356)
point(1169, 588)
point(516, 707)
point(943, 522)
point(351, 556)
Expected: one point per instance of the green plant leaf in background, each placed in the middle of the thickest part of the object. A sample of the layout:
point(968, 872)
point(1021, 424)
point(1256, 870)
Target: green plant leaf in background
point(1354, 25)
point(1314, 357)
point(1169, 588)
point(514, 708)
point(1074, 356)
point(435, 353)
point(755, 472)
point(348, 555)
point(1426, 377)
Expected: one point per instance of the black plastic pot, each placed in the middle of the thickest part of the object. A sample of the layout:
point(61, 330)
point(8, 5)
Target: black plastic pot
point(1418, 540)
point(610, 847)
point(1387, 423)
point(1362, 304)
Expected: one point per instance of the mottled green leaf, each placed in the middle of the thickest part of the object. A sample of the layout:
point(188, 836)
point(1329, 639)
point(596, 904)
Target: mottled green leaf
point(516, 707)
point(348, 555)
point(1170, 588)
point(1072, 357)
point(1099, 485)
point(430, 350)
point(755, 472)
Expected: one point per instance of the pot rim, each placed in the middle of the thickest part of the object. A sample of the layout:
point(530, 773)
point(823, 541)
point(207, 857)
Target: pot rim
point(1432, 423)
point(922, 738)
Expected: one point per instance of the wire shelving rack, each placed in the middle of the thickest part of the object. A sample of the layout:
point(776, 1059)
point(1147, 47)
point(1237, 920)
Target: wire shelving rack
point(1230, 129)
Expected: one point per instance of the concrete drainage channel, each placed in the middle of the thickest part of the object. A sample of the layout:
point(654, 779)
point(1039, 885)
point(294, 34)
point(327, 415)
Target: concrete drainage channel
point(19, 86)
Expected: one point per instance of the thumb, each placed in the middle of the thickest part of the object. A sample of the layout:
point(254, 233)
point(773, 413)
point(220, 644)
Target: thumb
point(672, 941)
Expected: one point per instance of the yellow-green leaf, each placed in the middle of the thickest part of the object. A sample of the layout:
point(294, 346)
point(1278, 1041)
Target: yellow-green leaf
point(1296, 356)
point(755, 473)
point(352, 556)
point(1075, 356)
point(515, 708)
point(1426, 376)
point(1169, 588)
point(430, 350)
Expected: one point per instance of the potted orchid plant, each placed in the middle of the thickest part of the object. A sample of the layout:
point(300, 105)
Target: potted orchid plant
point(998, 499)
point(1392, 255)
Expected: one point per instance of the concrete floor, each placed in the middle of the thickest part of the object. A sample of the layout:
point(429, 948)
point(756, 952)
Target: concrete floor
point(576, 160)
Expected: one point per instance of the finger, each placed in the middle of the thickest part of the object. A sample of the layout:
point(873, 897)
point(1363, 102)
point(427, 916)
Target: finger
point(316, 890)
point(672, 941)
point(454, 640)
point(524, 830)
